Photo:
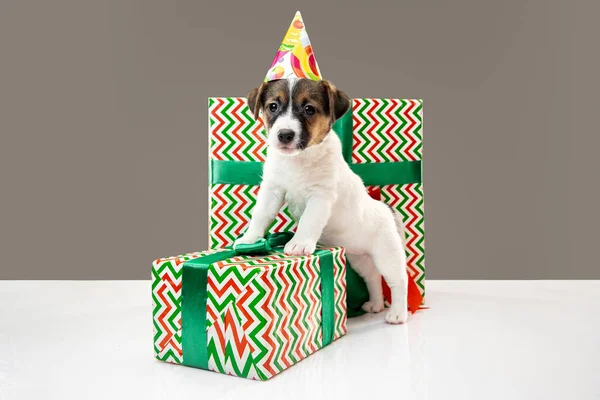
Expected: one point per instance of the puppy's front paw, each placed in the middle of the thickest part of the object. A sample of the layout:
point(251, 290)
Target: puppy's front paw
point(373, 306)
point(297, 247)
point(247, 238)
point(396, 315)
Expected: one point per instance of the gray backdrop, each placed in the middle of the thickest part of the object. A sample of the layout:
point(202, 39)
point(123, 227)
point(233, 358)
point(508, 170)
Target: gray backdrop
point(103, 124)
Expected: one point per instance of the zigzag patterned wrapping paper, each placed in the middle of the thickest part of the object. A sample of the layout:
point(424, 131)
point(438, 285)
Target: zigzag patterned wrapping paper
point(384, 130)
point(263, 313)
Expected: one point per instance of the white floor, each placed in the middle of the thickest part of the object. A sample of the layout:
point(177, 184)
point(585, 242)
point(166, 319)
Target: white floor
point(479, 340)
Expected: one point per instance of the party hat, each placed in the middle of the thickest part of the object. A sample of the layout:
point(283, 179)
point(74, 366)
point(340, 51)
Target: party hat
point(295, 55)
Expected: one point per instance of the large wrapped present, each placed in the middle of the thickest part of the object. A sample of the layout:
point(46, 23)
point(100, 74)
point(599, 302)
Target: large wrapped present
point(250, 312)
point(381, 140)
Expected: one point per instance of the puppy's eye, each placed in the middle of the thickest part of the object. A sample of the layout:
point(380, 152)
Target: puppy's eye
point(273, 107)
point(309, 110)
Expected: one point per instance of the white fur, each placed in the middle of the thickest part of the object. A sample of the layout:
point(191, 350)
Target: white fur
point(285, 121)
point(332, 207)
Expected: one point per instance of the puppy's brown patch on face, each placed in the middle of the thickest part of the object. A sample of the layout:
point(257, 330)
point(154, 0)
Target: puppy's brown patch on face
point(276, 100)
point(319, 127)
point(272, 98)
point(310, 102)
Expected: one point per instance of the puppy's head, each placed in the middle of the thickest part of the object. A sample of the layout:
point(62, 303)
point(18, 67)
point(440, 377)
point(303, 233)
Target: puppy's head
point(297, 113)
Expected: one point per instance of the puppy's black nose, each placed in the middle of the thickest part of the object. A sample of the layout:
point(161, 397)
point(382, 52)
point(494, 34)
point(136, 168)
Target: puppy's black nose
point(285, 136)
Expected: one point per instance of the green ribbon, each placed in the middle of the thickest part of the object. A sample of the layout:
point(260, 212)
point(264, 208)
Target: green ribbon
point(327, 306)
point(343, 128)
point(194, 294)
point(357, 292)
point(372, 174)
point(236, 172)
point(193, 308)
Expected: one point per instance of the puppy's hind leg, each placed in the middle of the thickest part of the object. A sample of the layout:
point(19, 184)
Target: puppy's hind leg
point(363, 265)
point(390, 260)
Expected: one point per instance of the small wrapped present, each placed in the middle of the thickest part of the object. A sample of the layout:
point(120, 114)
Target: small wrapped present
point(381, 140)
point(250, 311)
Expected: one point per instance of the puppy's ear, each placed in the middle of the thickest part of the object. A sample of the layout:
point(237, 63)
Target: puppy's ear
point(255, 99)
point(339, 102)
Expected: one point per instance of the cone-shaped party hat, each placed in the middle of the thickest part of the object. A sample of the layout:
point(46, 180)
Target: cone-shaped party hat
point(295, 56)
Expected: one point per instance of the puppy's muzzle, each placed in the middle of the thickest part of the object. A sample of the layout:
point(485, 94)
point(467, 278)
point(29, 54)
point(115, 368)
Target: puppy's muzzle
point(285, 136)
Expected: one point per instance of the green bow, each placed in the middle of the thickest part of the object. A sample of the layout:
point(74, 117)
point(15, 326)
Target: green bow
point(264, 245)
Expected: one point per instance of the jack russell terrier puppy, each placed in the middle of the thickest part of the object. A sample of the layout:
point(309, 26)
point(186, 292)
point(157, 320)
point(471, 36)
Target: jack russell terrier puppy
point(305, 167)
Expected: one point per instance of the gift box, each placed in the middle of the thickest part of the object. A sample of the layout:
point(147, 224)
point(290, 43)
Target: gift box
point(251, 311)
point(382, 142)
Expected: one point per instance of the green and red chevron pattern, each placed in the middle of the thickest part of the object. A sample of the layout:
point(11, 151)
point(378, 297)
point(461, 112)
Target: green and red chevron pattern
point(234, 133)
point(222, 293)
point(230, 210)
point(166, 305)
point(263, 313)
point(339, 293)
point(386, 130)
point(408, 200)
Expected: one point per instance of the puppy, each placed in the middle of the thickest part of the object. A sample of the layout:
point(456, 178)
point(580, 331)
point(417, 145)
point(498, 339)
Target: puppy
point(305, 167)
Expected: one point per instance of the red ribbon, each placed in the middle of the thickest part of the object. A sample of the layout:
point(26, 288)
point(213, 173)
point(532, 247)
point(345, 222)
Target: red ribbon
point(415, 299)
